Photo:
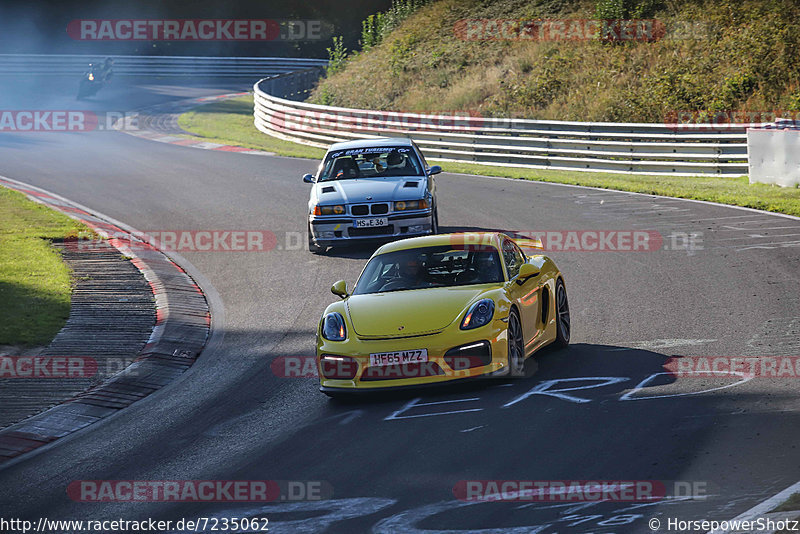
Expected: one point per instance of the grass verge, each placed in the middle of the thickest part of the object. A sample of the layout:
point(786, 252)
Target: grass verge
point(736, 191)
point(231, 122)
point(791, 504)
point(35, 284)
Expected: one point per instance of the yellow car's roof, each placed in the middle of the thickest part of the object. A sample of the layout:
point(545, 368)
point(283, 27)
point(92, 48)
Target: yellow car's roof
point(462, 238)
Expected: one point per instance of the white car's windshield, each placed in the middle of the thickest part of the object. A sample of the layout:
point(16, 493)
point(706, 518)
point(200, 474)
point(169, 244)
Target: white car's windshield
point(370, 162)
point(419, 268)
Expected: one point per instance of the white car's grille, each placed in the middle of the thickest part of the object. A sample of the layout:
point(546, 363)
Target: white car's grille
point(365, 209)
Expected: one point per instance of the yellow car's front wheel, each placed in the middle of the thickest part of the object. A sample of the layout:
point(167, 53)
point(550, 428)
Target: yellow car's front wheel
point(516, 347)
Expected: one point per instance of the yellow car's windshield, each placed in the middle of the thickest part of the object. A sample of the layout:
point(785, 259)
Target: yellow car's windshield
point(419, 268)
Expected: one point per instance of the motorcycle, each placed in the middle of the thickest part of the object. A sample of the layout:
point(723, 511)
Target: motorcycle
point(93, 80)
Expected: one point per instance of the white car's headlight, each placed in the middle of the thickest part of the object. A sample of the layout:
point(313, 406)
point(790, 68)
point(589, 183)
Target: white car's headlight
point(402, 205)
point(338, 209)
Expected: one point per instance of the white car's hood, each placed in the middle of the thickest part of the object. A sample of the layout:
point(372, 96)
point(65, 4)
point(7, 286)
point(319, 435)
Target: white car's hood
point(353, 191)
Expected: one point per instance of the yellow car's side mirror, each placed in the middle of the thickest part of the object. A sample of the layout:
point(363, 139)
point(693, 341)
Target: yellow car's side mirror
point(527, 270)
point(340, 289)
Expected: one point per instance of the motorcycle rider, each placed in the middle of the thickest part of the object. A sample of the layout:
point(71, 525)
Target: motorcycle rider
point(105, 71)
point(95, 78)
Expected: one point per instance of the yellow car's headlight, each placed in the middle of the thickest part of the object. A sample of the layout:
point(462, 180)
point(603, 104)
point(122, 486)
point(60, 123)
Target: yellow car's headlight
point(333, 328)
point(330, 210)
point(402, 205)
point(479, 314)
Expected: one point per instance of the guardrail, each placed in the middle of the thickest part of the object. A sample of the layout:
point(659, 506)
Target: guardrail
point(775, 153)
point(227, 67)
point(295, 85)
point(634, 148)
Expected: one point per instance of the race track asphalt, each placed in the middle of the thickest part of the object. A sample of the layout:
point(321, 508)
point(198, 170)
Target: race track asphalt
point(734, 292)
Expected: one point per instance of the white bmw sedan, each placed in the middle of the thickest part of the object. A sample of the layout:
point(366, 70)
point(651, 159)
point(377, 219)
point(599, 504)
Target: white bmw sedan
point(371, 189)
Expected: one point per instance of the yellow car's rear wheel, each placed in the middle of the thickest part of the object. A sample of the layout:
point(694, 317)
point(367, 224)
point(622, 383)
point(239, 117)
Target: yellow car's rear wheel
point(563, 325)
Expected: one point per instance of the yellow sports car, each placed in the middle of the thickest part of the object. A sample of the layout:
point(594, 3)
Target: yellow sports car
point(438, 308)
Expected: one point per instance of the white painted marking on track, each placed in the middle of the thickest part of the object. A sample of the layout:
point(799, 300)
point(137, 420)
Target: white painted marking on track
point(336, 510)
point(768, 246)
point(471, 429)
point(632, 210)
point(668, 499)
point(544, 388)
point(208, 145)
point(414, 403)
point(656, 344)
point(570, 507)
point(726, 228)
point(721, 218)
point(754, 236)
point(407, 521)
point(644, 383)
point(344, 417)
point(599, 191)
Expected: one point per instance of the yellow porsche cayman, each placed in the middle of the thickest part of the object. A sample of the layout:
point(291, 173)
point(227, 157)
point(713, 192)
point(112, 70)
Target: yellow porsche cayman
point(437, 308)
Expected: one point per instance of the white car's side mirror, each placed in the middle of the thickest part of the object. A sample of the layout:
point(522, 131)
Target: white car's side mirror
point(434, 170)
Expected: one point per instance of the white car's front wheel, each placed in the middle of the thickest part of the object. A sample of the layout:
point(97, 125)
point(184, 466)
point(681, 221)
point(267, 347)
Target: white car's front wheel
point(312, 246)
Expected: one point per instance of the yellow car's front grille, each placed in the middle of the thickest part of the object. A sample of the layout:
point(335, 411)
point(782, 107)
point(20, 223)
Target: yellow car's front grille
point(400, 336)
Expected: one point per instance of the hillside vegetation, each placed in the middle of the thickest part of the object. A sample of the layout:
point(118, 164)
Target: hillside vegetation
point(738, 55)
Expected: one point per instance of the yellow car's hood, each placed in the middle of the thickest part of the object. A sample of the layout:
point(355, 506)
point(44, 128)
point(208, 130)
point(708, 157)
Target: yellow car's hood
point(412, 312)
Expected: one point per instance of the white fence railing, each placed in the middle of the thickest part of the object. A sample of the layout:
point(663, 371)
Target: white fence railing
point(639, 148)
point(216, 67)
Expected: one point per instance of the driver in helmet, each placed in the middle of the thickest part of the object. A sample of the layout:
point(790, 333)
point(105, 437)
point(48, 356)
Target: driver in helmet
point(410, 271)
